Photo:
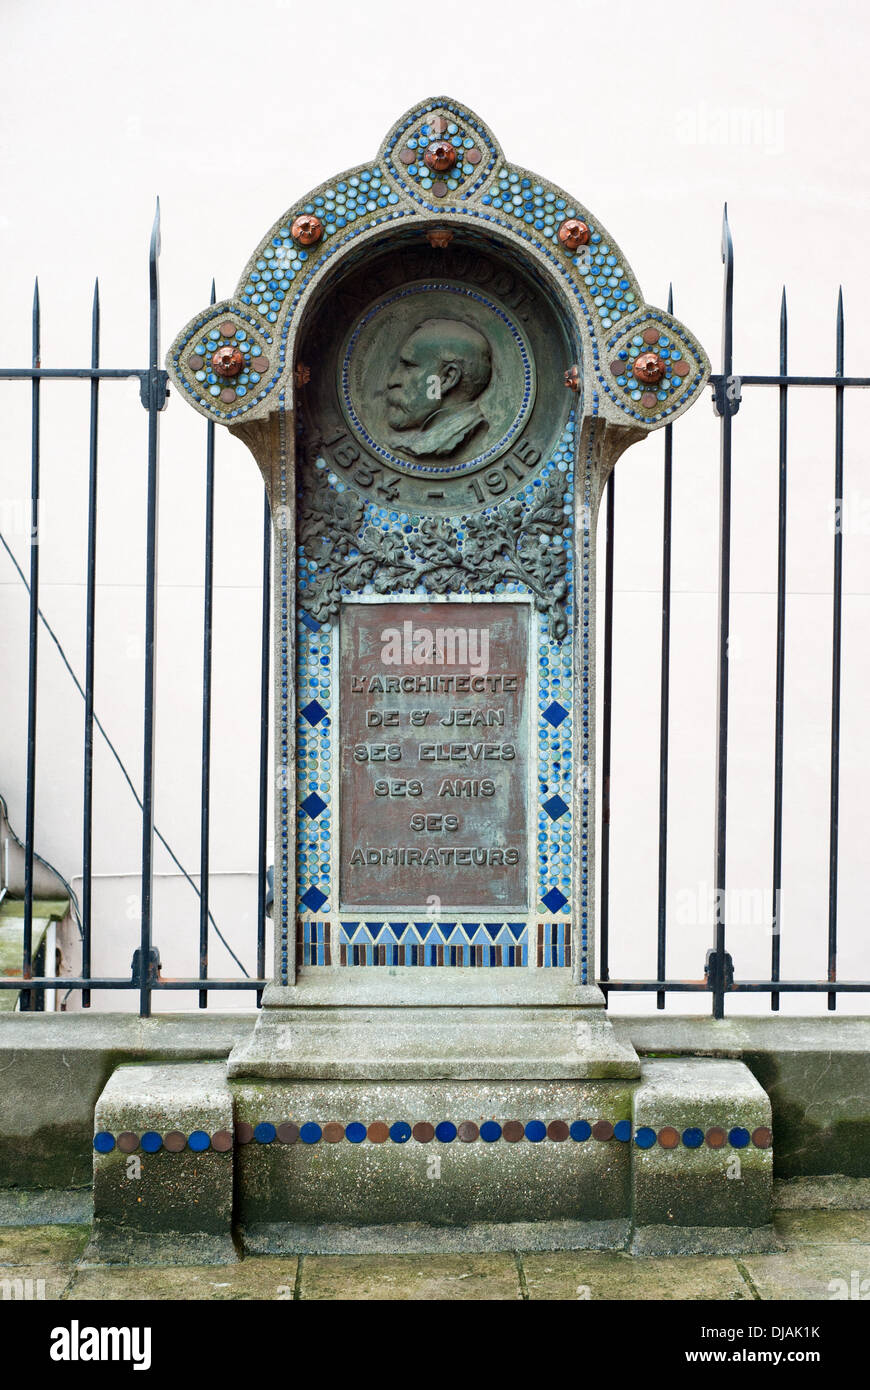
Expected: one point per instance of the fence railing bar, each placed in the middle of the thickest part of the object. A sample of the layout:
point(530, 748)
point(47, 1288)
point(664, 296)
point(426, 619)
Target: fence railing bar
point(718, 972)
point(90, 627)
point(27, 999)
point(779, 722)
point(718, 378)
point(606, 730)
point(77, 373)
point(205, 785)
point(145, 935)
point(101, 982)
point(664, 703)
point(836, 660)
point(263, 807)
point(742, 986)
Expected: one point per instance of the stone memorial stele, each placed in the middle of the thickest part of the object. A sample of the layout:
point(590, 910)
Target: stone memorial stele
point(436, 359)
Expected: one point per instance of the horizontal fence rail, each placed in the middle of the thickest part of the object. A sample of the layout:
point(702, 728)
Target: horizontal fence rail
point(146, 979)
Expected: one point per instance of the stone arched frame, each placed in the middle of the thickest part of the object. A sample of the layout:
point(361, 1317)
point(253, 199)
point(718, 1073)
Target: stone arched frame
point(397, 195)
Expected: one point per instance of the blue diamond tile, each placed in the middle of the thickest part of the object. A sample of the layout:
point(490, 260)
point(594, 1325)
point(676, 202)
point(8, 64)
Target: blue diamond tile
point(554, 900)
point(313, 899)
point(554, 808)
point(313, 712)
point(314, 804)
point(555, 713)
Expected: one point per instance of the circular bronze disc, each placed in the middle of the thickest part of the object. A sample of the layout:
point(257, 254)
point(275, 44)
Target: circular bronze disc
point(378, 1132)
point(424, 1133)
point(439, 188)
point(473, 156)
point(244, 1132)
point(680, 368)
point(222, 1141)
point(512, 1130)
point(669, 1137)
point(228, 395)
point(228, 329)
point(195, 362)
point(407, 156)
point(617, 367)
point(761, 1137)
point(716, 1137)
point(287, 1133)
point(127, 1142)
point(650, 335)
point(468, 1131)
point(174, 1141)
point(333, 1133)
point(259, 364)
point(648, 400)
point(602, 1129)
point(557, 1130)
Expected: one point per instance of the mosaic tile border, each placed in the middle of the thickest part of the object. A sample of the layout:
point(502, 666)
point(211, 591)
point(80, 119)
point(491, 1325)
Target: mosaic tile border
point(454, 943)
point(445, 1132)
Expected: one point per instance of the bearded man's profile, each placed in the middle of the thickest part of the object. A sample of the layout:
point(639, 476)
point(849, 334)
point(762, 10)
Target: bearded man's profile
point(433, 388)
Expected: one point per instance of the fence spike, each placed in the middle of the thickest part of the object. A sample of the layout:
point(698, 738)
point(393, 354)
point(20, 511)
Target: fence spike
point(213, 295)
point(670, 297)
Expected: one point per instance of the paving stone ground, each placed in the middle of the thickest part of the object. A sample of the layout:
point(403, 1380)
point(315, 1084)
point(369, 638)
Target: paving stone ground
point(824, 1255)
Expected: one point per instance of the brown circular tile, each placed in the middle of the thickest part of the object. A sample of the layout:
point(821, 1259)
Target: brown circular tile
point(512, 1130)
point(222, 1141)
point(333, 1133)
point(557, 1130)
point(650, 335)
point(259, 364)
point(602, 1129)
point(468, 1131)
point(227, 328)
point(716, 1137)
point(438, 125)
point(669, 1137)
point(228, 395)
point(407, 156)
point(423, 1132)
point(195, 362)
point(287, 1133)
point(617, 368)
point(244, 1132)
point(680, 368)
point(175, 1141)
point(647, 400)
point(378, 1133)
point(439, 188)
point(128, 1141)
point(473, 156)
point(761, 1137)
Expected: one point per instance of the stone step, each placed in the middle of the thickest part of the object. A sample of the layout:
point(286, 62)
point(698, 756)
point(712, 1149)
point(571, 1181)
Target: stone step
point(677, 1161)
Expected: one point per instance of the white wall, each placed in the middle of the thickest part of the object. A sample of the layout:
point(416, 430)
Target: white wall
point(652, 117)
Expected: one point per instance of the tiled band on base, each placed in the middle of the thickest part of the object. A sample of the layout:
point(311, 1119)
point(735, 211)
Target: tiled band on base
point(467, 1131)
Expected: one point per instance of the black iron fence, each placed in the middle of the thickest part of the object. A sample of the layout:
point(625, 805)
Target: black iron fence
point(145, 975)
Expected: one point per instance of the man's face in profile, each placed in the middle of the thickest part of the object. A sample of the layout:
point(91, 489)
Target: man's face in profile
point(413, 389)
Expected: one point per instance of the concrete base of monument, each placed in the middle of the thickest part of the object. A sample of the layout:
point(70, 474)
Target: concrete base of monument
point(437, 1153)
point(677, 1162)
point(163, 1166)
point(399, 1027)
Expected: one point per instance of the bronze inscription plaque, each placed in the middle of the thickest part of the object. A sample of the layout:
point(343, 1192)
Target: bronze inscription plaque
point(434, 755)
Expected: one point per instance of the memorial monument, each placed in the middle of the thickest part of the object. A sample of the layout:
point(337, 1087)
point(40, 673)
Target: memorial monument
point(436, 359)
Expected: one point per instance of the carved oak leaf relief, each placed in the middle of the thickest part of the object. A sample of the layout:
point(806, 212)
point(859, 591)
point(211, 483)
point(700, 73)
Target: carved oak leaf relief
point(511, 543)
